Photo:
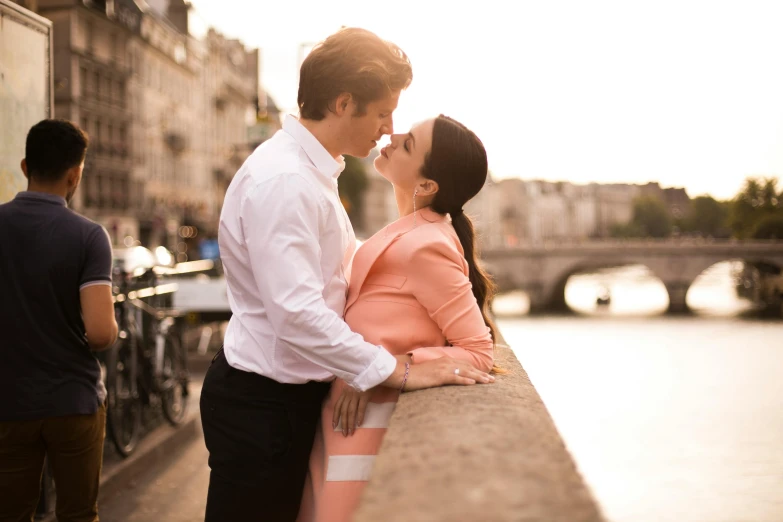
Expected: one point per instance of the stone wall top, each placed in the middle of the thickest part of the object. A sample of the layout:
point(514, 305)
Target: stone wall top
point(480, 453)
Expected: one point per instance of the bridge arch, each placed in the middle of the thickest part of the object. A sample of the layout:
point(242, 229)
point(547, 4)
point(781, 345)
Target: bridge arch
point(711, 291)
point(552, 297)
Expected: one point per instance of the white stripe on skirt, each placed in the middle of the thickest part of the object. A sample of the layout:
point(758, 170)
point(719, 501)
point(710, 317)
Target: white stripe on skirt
point(377, 415)
point(343, 468)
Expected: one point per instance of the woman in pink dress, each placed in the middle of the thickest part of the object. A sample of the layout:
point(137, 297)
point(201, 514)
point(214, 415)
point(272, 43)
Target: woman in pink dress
point(414, 288)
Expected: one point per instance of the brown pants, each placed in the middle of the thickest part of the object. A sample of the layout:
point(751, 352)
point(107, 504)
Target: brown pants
point(74, 445)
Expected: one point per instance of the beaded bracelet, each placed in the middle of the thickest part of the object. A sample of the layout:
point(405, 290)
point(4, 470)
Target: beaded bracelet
point(405, 378)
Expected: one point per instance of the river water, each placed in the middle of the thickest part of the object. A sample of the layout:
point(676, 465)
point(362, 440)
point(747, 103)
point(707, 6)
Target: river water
point(668, 419)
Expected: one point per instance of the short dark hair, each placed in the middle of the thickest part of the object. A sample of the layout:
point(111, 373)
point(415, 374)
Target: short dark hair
point(355, 61)
point(52, 148)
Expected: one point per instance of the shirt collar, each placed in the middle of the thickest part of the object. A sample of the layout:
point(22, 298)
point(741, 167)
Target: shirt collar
point(42, 196)
point(323, 161)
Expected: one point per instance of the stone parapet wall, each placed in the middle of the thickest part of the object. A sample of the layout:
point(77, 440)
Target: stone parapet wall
point(487, 453)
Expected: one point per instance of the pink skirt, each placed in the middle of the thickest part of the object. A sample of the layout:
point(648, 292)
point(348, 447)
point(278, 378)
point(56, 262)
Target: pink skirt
point(341, 466)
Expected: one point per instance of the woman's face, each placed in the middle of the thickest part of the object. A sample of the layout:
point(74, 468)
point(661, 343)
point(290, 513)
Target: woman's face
point(401, 160)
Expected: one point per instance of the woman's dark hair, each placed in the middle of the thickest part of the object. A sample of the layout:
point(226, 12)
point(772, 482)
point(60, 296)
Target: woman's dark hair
point(355, 61)
point(458, 163)
point(52, 148)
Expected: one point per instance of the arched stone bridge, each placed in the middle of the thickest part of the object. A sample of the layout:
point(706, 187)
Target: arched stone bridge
point(543, 271)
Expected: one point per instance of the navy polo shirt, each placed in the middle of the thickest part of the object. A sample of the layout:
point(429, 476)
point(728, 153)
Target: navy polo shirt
point(48, 253)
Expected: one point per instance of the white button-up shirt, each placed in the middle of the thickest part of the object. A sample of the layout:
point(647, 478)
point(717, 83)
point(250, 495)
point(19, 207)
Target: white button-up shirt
point(285, 243)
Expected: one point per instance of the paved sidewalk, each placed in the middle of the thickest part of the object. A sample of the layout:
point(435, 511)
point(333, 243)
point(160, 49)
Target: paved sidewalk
point(172, 490)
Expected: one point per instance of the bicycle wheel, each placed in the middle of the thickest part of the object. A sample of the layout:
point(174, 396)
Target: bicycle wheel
point(174, 381)
point(123, 415)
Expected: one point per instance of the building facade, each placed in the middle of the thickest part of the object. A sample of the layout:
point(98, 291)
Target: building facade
point(167, 114)
point(514, 212)
point(677, 201)
point(170, 139)
point(91, 74)
point(614, 205)
point(231, 88)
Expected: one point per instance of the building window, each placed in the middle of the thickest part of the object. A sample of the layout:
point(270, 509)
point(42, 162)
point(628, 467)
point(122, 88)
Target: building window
point(100, 182)
point(138, 194)
point(98, 138)
point(123, 192)
point(88, 35)
point(90, 190)
point(97, 84)
point(115, 52)
point(104, 191)
point(83, 81)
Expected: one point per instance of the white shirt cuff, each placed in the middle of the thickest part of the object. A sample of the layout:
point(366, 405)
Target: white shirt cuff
point(379, 370)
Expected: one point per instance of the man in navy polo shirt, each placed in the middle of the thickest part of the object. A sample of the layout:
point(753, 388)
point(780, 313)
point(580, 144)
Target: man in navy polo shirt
point(56, 302)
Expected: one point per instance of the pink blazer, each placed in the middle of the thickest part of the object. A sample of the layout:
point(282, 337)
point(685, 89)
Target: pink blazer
point(409, 292)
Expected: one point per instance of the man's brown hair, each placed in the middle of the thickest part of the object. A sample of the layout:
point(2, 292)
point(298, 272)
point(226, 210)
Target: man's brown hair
point(354, 61)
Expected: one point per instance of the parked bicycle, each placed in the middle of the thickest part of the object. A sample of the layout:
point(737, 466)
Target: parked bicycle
point(147, 365)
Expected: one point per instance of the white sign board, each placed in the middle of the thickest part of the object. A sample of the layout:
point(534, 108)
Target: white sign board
point(201, 295)
point(25, 88)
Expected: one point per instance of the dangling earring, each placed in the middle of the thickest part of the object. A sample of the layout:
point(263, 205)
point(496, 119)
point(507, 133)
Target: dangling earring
point(414, 206)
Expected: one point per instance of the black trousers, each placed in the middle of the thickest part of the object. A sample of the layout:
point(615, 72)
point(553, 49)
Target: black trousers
point(259, 434)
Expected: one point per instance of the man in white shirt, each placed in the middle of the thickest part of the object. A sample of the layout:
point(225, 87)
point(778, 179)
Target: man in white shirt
point(286, 242)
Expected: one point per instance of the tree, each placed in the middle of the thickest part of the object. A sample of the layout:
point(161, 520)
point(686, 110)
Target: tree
point(758, 199)
point(769, 227)
point(708, 217)
point(651, 217)
point(626, 230)
point(352, 185)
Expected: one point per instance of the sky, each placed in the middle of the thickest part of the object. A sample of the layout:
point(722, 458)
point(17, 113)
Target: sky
point(683, 93)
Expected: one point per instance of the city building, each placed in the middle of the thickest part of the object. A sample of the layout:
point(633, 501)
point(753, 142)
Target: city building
point(170, 158)
point(518, 213)
point(512, 202)
point(581, 211)
point(521, 213)
point(676, 200)
point(171, 116)
point(91, 74)
point(614, 205)
point(485, 213)
point(514, 212)
point(231, 87)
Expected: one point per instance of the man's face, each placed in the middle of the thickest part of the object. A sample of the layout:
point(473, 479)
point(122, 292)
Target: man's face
point(363, 132)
